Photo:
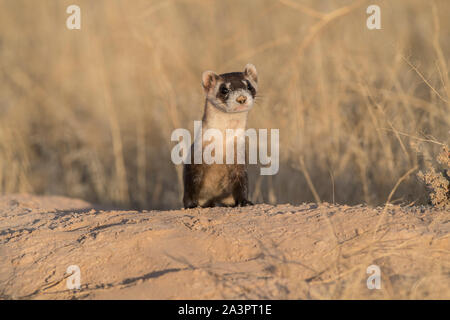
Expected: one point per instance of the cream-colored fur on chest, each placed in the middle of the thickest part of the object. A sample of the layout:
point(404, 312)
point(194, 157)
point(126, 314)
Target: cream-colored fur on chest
point(232, 127)
point(217, 119)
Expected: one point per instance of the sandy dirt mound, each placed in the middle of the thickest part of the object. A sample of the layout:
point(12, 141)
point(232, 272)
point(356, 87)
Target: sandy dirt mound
point(259, 252)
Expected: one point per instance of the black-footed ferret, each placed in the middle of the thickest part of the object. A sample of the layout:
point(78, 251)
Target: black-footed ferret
point(229, 97)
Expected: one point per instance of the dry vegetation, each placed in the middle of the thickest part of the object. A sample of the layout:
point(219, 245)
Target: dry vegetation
point(439, 182)
point(89, 113)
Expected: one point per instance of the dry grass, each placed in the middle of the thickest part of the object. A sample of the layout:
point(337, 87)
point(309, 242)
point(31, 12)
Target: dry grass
point(89, 113)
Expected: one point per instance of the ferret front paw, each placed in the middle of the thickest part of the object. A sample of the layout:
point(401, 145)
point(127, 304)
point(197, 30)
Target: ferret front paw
point(244, 203)
point(190, 204)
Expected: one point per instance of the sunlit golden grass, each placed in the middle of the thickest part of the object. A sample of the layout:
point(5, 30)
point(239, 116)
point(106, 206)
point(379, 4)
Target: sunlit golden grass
point(89, 113)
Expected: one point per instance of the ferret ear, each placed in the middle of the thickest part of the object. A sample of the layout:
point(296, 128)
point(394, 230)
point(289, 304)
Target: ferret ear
point(250, 72)
point(209, 79)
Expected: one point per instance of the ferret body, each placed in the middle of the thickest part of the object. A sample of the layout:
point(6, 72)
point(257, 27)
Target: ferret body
point(229, 97)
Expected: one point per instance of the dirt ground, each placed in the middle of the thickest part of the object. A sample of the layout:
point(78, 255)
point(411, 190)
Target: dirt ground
point(259, 252)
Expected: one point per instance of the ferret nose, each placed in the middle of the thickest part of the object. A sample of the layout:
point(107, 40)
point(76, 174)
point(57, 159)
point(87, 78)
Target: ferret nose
point(241, 99)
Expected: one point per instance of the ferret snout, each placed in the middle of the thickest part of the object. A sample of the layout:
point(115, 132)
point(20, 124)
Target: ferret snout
point(241, 99)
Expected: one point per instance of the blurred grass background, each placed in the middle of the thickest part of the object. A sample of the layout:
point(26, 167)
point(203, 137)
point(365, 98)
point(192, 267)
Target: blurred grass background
point(88, 113)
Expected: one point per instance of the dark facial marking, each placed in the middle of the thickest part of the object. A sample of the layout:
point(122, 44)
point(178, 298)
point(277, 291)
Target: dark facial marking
point(223, 92)
point(251, 88)
point(237, 81)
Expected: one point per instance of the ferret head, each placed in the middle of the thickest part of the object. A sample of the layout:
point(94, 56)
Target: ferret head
point(231, 92)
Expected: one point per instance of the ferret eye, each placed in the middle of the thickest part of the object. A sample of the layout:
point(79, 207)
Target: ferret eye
point(249, 86)
point(224, 90)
